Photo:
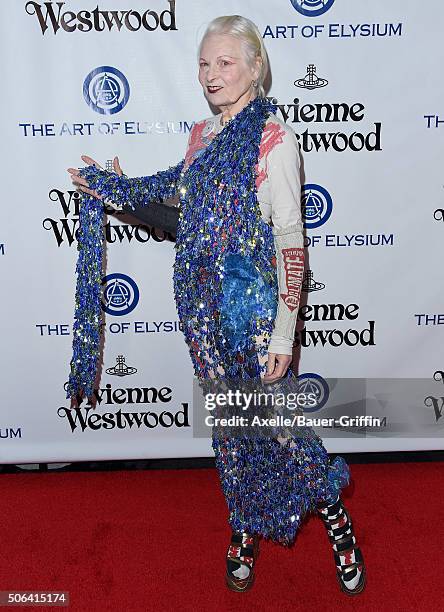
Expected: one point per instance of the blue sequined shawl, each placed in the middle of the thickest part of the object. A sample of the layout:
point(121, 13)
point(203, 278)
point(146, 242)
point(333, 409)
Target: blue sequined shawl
point(225, 282)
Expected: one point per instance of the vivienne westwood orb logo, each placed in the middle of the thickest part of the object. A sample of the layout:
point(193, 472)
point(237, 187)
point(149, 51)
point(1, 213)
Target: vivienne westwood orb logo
point(121, 369)
point(317, 205)
point(309, 283)
point(106, 90)
point(311, 79)
point(120, 294)
point(312, 8)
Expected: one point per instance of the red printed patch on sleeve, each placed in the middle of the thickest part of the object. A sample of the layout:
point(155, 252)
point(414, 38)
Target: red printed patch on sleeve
point(294, 273)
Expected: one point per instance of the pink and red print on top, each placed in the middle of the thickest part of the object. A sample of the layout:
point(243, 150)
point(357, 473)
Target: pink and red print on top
point(197, 143)
point(272, 135)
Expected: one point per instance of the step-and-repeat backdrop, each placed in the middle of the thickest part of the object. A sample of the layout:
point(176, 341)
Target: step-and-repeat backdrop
point(359, 82)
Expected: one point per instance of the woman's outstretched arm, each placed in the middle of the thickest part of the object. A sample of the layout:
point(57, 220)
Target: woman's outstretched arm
point(141, 196)
point(146, 196)
point(133, 193)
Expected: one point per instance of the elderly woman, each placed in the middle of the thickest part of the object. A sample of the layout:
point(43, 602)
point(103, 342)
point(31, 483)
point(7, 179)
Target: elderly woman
point(237, 280)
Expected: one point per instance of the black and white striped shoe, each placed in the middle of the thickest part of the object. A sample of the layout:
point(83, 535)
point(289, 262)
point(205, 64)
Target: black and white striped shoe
point(350, 568)
point(241, 556)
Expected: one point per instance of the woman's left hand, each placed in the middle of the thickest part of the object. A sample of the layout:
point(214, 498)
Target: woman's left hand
point(277, 365)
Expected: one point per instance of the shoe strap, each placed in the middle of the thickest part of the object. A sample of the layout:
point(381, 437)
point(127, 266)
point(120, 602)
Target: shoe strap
point(238, 538)
point(239, 551)
point(333, 517)
point(334, 508)
point(358, 557)
point(346, 569)
point(343, 530)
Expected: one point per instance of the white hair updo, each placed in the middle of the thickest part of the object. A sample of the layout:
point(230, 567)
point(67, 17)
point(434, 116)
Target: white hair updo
point(250, 36)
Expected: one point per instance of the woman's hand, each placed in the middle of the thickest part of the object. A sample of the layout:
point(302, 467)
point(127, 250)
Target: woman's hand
point(82, 184)
point(277, 365)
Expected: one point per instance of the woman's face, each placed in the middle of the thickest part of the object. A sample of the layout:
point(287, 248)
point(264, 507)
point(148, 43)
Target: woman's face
point(224, 74)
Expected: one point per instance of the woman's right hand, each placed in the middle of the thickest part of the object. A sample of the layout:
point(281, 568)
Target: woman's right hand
point(82, 184)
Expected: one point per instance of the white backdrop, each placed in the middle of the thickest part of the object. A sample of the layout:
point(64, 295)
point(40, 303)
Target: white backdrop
point(77, 82)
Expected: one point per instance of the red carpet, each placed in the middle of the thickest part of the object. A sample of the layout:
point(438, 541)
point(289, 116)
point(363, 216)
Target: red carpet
point(156, 540)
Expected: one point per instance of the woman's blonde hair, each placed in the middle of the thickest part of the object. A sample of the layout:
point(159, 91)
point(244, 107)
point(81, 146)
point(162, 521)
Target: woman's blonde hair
point(249, 34)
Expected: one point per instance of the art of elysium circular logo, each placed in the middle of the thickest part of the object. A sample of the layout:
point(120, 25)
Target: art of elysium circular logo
point(316, 205)
point(313, 383)
point(106, 90)
point(312, 8)
point(120, 294)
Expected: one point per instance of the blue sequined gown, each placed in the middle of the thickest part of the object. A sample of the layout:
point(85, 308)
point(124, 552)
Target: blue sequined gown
point(225, 287)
